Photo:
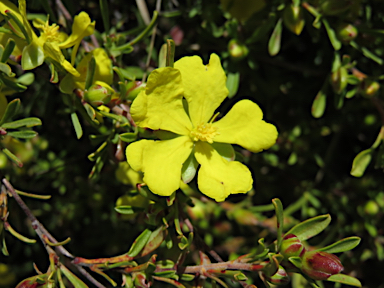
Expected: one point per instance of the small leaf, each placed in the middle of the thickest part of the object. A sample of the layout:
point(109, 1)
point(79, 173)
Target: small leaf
point(23, 134)
point(332, 35)
point(9, 228)
point(319, 104)
point(11, 111)
point(361, 162)
point(128, 210)
point(8, 50)
point(274, 43)
point(12, 157)
point(6, 69)
point(26, 79)
point(90, 72)
point(345, 279)
point(139, 243)
point(343, 245)
point(26, 122)
point(280, 220)
point(128, 137)
point(4, 249)
point(233, 80)
point(76, 282)
point(154, 241)
point(310, 227)
point(76, 125)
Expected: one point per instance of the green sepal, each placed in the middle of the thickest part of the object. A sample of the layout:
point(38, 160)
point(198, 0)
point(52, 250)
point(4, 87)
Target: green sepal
point(32, 56)
point(26, 122)
point(189, 168)
point(345, 279)
point(233, 81)
point(296, 261)
point(139, 243)
point(310, 227)
point(342, 245)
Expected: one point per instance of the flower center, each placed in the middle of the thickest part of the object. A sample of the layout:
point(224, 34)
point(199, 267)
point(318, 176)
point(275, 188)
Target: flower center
point(204, 132)
point(51, 32)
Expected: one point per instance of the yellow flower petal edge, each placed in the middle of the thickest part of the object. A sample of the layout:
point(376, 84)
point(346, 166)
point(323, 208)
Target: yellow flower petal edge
point(81, 27)
point(218, 178)
point(204, 86)
point(243, 125)
point(160, 161)
point(160, 105)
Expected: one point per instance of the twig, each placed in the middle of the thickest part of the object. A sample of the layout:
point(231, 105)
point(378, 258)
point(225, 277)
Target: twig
point(222, 266)
point(63, 10)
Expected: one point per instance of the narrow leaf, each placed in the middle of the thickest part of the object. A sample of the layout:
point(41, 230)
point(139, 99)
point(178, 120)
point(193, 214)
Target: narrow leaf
point(11, 111)
point(26, 122)
point(345, 279)
point(332, 35)
point(76, 125)
point(12, 157)
point(280, 220)
point(345, 244)
point(128, 137)
point(361, 162)
point(310, 227)
point(90, 72)
point(274, 43)
point(127, 209)
point(104, 8)
point(170, 53)
point(139, 243)
point(22, 134)
point(9, 228)
point(8, 50)
point(154, 241)
point(76, 282)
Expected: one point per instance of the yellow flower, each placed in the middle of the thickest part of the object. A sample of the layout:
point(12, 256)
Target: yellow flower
point(195, 136)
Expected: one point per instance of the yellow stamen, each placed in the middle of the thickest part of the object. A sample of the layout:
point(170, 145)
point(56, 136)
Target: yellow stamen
point(204, 132)
point(51, 32)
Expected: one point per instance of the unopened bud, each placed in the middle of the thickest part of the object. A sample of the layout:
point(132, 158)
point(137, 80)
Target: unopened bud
point(339, 79)
point(346, 32)
point(293, 19)
point(279, 278)
point(97, 95)
point(369, 88)
point(291, 246)
point(237, 50)
point(371, 208)
point(320, 265)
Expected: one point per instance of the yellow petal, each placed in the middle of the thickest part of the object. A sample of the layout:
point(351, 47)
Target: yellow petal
point(126, 175)
point(160, 105)
point(81, 27)
point(204, 86)
point(160, 161)
point(218, 178)
point(243, 125)
point(53, 51)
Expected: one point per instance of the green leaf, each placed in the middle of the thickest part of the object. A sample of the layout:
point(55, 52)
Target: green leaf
point(139, 243)
point(345, 279)
point(170, 59)
point(233, 80)
point(274, 43)
point(11, 111)
point(12, 83)
point(280, 220)
point(6, 69)
point(319, 103)
point(310, 227)
point(26, 122)
point(361, 162)
point(128, 137)
point(189, 168)
point(128, 210)
point(23, 134)
point(4, 249)
point(104, 9)
point(90, 72)
point(154, 241)
point(332, 35)
point(345, 244)
point(26, 79)
point(12, 157)
point(75, 281)
point(32, 56)
point(76, 125)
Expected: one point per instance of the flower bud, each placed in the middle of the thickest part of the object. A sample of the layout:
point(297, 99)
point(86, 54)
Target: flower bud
point(371, 208)
point(339, 79)
point(279, 278)
point(97, 95)
point(293, 19)
point(291, 246)
point(237, 50)
point(346, 32)
point(320, 265)
point(369, 88)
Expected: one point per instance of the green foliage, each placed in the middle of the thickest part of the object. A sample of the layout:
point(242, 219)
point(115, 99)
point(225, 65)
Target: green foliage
point(315, 69)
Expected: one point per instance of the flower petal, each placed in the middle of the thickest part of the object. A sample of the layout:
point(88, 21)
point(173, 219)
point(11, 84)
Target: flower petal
point(218, 178)
point(243, 125)
point(160, 105)
point(204, 86)
point(53, 51)
point(160, 161)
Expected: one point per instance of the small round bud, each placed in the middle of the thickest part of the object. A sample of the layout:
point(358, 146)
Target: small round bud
point(291, 246)
point(97, 95)
point(339, 79)
point(320, 265)
point(346, 32)
point(237, 50)
point(371, 208)
point(369, 88)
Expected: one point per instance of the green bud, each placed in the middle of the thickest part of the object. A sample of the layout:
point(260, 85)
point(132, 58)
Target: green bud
point(97, 95)
point(369, 88)
point(293, 19)
point(291, 246)
point(339, 79)
point(371, 208)
point(320, 265)
point(237, 50)
point(279, 278)
point(346, 32)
